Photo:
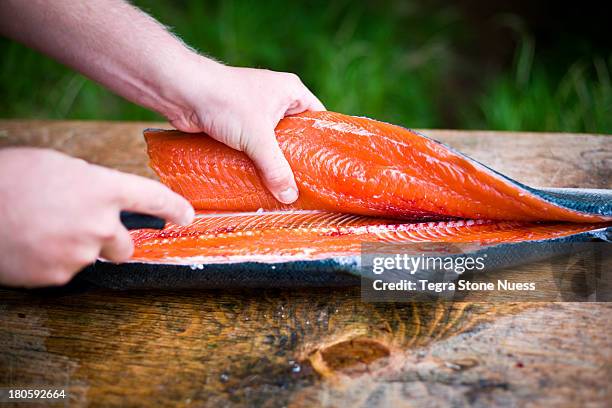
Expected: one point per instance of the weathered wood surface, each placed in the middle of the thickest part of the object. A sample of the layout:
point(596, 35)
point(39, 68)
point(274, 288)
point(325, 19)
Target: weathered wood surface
point(318, 347)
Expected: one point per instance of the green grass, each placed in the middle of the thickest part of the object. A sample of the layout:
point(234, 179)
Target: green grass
point(392, 61)
point(528, 99)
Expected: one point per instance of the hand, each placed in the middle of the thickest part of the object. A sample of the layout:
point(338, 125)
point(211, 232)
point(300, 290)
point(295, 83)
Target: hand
point(126, 50)
point(240, 107)
point(59, 214)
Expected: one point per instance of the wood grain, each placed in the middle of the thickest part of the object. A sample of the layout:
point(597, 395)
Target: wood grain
point(318, 347)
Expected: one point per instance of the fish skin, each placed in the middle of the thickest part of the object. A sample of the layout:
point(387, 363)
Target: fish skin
point(358, 165)
point(336, 271)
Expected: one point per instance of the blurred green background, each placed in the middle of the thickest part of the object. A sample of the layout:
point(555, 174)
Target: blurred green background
point(511, 65)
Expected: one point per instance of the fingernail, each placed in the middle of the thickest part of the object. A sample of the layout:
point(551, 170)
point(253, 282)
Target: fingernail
point(288, 196)
point(188, 216)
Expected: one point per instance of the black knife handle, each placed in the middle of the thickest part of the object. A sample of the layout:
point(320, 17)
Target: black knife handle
point(132, 221)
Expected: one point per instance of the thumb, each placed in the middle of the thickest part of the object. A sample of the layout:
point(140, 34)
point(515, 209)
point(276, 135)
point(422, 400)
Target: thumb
point(273, 167)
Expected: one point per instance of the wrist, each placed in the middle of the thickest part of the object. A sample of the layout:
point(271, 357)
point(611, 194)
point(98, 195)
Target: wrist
point(192, 84)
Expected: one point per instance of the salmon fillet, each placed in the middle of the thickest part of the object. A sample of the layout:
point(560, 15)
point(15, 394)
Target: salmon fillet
point(360, 180)
point(296, 235)
point(353, 165)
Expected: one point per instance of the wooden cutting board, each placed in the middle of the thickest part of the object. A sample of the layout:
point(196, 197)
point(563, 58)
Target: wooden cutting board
point(318, 347)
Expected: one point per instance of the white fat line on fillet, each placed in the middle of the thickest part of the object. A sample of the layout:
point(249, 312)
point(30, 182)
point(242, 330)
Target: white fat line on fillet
point(340, 256)
point(260, 213)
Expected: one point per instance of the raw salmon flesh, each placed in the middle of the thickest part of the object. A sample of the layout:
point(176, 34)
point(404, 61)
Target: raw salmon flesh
point(360, 180)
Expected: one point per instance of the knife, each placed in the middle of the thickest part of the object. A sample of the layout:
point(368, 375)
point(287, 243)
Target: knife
point(133, 220)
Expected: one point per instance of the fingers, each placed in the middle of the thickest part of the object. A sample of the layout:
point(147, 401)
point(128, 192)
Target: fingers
point(313, 103)
point(147, 196)
point(265, 152)
point(273, 166)
point(119, 247)
point(307, 101)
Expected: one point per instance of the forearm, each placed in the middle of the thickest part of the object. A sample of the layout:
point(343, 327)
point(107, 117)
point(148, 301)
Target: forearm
point(131, 53)
point(111, 42)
